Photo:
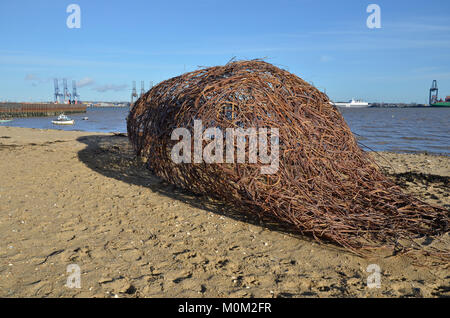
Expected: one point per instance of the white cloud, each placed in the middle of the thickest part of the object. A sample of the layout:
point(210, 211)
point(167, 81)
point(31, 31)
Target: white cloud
point(35, 79)
point(85, 82)
point(111, 87)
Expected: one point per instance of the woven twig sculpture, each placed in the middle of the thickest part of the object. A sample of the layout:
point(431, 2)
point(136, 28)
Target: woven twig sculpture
point(324, 186)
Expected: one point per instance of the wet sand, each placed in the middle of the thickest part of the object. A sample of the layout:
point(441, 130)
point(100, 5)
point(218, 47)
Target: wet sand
point(81, 198)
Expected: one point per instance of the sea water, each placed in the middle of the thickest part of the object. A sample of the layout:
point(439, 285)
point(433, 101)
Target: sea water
point(418, 129)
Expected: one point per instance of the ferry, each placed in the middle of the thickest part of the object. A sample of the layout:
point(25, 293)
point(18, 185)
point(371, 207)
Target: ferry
point(351, 104)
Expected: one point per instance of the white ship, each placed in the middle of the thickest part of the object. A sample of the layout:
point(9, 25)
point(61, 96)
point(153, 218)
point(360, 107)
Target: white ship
point(352, 104)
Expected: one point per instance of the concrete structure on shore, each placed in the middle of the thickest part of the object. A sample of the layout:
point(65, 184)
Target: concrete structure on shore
point(38, 109)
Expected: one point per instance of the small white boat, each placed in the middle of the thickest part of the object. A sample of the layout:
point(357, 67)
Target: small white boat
point(85, 118)
point(6, 120)
point(63, 120)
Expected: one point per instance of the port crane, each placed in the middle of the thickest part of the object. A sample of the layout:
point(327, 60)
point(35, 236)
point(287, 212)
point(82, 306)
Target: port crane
point(433, 93)
point(57, 94)
point(65, 97)
point(133, 93)
point(66, 92)
point(75, 95)
point(434, 101)
point(142, 89)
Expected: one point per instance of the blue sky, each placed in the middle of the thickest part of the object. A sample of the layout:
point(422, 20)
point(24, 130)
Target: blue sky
point(323, 41)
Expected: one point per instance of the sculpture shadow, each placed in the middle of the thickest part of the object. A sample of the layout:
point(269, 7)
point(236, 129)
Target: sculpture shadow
point(113, 156)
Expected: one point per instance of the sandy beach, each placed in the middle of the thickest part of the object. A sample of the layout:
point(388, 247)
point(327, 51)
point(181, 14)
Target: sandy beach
point(82, 198)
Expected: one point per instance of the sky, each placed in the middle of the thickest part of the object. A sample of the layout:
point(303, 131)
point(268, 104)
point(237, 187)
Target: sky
point(325, 42)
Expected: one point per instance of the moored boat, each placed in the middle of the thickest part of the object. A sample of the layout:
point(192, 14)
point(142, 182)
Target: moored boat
point(442, 103)
point(63, 120)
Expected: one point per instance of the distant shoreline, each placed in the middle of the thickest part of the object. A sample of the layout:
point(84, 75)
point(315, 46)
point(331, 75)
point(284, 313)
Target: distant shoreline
point(397, 105)
point(127, 104)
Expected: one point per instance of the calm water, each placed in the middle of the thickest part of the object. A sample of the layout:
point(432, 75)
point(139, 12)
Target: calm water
point(105, 119)
point(381, 129)
point(401, 129)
